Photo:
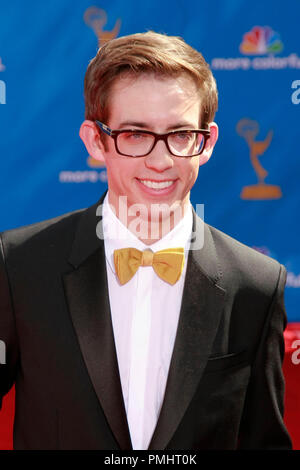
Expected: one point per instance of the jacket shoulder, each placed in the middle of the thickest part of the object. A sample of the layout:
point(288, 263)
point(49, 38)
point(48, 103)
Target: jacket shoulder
point(47, 232)
point(243, 265)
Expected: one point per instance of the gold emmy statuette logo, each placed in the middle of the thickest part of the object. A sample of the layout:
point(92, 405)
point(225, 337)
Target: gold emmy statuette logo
point(96, 18)
point(249, 129)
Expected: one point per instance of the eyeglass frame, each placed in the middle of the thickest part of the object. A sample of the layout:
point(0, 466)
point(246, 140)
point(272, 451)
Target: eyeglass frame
point(115, 133)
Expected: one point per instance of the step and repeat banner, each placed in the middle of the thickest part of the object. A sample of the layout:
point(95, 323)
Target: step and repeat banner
point(250, 186)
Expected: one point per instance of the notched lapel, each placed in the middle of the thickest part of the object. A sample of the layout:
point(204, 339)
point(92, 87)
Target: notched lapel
point(88, 301)
point(201, 309)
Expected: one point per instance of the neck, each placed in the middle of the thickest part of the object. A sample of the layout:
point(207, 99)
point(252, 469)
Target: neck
point(149, 223)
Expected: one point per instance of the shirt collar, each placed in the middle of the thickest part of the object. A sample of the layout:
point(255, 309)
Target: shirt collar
point(116, 234)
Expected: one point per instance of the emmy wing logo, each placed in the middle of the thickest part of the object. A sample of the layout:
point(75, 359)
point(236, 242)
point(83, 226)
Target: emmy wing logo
point(96, 18)
point(261, 40)
point(248, 130)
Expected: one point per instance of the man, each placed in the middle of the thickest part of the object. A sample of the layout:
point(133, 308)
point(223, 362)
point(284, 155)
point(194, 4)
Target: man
point(132, 324)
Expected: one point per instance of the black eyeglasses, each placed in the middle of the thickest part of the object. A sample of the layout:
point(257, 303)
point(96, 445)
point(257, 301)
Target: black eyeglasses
point(139, 143)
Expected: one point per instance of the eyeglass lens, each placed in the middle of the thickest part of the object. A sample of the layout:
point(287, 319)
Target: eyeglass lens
point(181, 144)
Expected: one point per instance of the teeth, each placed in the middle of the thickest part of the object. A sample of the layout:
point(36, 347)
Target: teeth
point(155, 185)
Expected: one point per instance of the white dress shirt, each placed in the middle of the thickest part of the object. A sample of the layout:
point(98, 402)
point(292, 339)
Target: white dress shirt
point(145, 313)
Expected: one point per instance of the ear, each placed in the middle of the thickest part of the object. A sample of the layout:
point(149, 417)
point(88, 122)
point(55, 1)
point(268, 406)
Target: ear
point(210, 143)
point(89, 134)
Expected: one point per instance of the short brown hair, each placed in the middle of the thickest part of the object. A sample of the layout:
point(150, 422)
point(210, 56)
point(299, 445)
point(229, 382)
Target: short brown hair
point(150, 52)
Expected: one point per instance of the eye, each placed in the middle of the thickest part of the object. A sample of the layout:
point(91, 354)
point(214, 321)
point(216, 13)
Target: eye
point(133, 136)
point(184, 137)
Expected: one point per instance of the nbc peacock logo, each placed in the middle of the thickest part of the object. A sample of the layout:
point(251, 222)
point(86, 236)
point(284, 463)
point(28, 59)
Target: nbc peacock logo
point(260, 49)
point(261, 40)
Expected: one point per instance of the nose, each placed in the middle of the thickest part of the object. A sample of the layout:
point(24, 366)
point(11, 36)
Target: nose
point(159, 159)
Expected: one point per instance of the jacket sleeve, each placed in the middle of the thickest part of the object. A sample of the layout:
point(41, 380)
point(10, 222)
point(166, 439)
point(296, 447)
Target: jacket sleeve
point(8, 337)
point(262, 425)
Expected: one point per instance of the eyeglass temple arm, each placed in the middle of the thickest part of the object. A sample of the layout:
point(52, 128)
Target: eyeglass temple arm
point(104, 128)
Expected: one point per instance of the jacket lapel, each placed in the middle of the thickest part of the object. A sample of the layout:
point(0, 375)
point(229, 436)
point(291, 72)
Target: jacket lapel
point(87, 296)
point(202, 305)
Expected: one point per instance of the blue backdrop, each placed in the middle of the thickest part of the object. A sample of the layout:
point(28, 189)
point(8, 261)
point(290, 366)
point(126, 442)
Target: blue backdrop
point(249, 186)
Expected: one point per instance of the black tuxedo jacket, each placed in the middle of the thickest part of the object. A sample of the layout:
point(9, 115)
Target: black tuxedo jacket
point(225, 387)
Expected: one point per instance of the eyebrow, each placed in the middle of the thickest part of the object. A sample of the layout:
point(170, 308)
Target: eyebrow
point(143, 125)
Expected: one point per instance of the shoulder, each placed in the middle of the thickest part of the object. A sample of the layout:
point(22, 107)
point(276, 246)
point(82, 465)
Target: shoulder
point(244, 266)
point(47, 234)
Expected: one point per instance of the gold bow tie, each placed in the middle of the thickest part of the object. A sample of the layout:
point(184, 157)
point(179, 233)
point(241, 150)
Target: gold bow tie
point(168, 264)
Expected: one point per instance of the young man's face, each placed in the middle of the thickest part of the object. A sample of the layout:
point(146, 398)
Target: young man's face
point(159, 105)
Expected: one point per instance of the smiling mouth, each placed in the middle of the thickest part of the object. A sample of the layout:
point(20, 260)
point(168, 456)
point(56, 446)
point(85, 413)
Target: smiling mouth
point(157, 184)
